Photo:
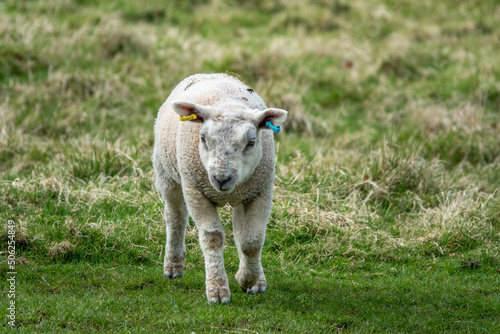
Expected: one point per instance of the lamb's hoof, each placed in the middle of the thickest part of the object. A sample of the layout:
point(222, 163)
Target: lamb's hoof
point(173, 271)
point(174, 267)
point(255, 289)
point(172, 274)
point(218, 293)
point(219, 300)
point(248, 288)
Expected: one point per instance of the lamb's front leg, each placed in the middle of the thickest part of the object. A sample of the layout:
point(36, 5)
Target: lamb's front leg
point(249, 225)
point(211, 235)
point(212, 245)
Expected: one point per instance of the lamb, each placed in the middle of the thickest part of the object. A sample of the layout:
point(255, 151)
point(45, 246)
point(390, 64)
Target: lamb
point(223, 153)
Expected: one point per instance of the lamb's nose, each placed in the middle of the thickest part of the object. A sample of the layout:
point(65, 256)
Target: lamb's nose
point(222, 180)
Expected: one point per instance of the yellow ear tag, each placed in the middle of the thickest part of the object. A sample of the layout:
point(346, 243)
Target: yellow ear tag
point(188, 118)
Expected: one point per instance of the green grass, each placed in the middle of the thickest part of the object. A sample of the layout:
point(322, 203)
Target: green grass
point(386, 209)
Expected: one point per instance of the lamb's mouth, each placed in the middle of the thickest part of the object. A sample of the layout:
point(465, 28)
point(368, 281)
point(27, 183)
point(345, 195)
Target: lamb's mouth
point(223, 190)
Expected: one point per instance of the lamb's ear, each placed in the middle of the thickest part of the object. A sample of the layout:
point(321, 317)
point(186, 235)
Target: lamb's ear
point(273, 115)
point(187, 109)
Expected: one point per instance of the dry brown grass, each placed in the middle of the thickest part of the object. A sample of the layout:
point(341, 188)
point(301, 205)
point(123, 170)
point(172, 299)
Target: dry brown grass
point(62, 249)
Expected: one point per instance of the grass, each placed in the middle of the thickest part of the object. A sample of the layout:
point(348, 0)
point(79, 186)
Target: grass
point(386, 209)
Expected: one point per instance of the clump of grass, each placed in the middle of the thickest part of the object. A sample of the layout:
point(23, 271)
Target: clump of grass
point(22, 236)
point(460, 221)
point(73, 229)
point(463, 133)
point(96, 162)
point(19, 63)
point(61, 250)
point(391, 206)
point(466, 118)
point(306, 17)
point(116, 40)
point(397, 169)
point(77, 85)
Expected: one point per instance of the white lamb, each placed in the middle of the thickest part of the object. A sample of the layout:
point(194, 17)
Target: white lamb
point(225, 155)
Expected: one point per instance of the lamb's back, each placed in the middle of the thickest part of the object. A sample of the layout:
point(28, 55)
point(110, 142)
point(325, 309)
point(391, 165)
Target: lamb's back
point(215, 89)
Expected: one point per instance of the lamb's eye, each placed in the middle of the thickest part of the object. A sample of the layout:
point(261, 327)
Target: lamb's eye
point(251, 143)
point(202, 138)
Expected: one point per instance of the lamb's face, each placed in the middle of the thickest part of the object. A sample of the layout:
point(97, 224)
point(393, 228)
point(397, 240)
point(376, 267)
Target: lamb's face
point(230, 150)
point(229, 144)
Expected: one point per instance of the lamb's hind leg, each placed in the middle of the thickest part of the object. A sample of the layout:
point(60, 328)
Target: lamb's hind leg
point(176, 218)
point(249, 225)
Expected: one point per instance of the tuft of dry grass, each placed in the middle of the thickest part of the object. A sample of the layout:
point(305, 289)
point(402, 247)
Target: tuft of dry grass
point(116, 40)
point(63, 249)
point(466, 118)
point(423, 209)
point(23, 237)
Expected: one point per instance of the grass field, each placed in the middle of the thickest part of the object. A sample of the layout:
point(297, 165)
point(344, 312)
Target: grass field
point(386, 214)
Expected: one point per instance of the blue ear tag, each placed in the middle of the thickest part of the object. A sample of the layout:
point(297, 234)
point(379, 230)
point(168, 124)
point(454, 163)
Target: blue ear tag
point(276, 129)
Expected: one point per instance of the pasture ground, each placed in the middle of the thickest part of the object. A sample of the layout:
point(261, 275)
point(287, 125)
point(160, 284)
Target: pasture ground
point(386, 212)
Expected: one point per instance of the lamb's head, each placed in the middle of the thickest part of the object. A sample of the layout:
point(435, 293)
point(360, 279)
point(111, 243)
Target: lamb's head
point(230, 145)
